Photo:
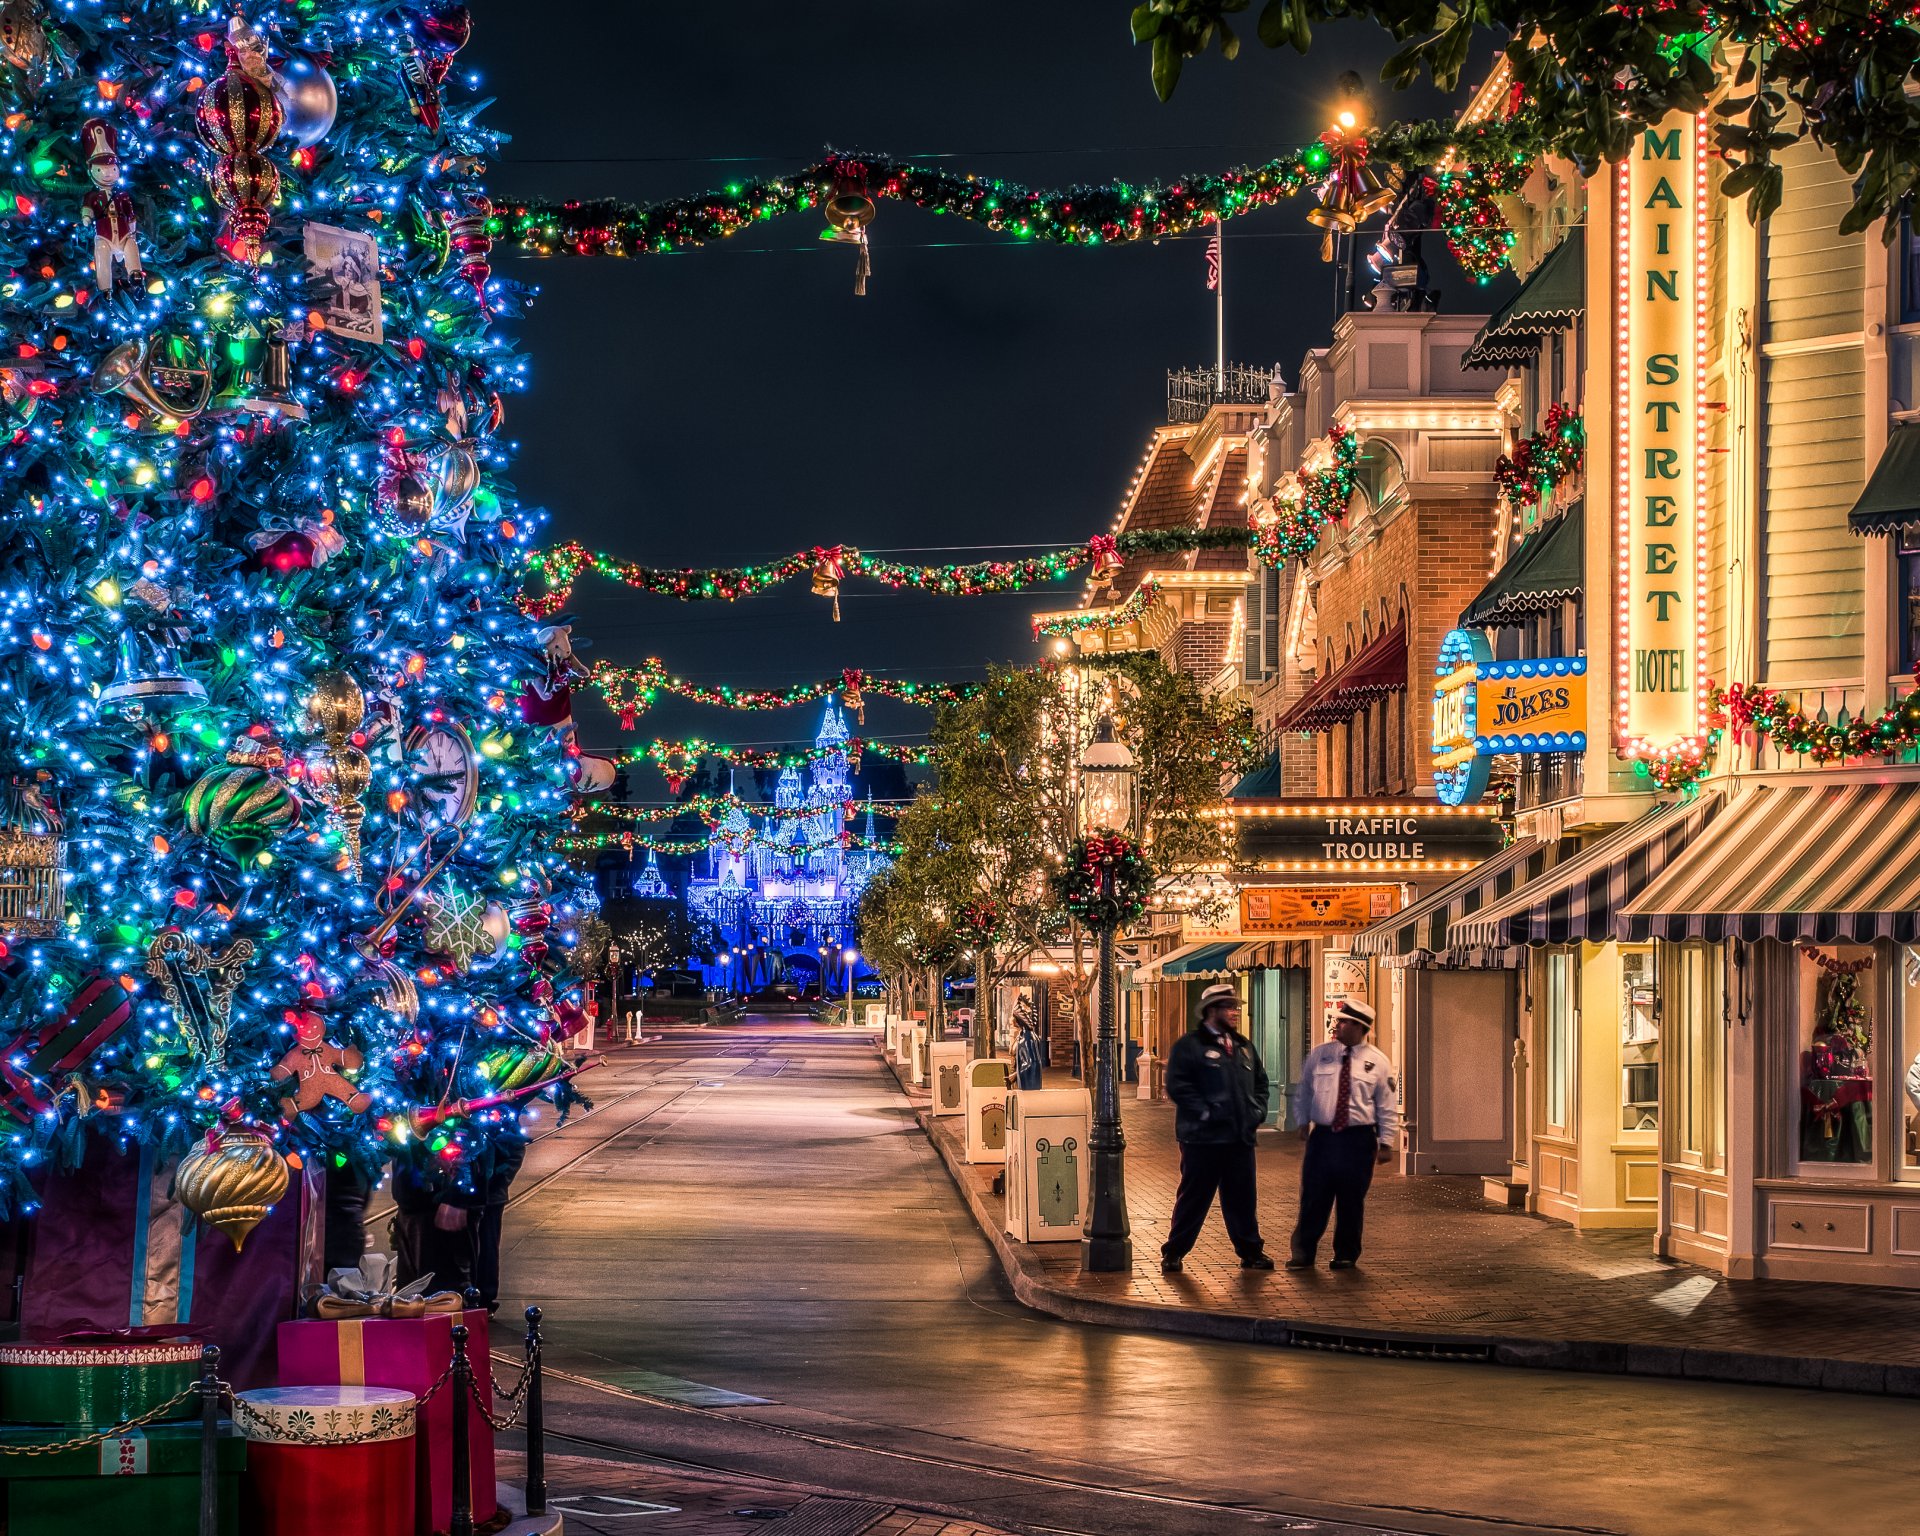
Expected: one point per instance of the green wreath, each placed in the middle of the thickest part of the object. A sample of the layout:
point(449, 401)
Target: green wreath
point(1106, 881)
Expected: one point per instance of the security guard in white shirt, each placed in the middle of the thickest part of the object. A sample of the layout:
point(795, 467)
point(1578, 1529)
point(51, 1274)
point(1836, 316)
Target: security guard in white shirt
point(1348, 1108)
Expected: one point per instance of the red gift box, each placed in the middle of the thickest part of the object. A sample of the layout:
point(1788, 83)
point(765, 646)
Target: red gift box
point(321, 1460)
point(411, 1353)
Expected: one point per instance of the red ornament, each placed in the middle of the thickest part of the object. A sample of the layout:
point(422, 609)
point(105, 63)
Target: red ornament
point(238, 118)
point(292, 551)
point(470, 239)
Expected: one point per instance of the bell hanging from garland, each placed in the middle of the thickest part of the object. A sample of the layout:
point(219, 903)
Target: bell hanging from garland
point(1353, 186)
point(852, 693)
point(829, 570)
point(1104, 552)
point(849, 210)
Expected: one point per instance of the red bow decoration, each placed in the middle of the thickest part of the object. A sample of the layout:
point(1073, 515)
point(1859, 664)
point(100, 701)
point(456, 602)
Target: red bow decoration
point(1105, 554)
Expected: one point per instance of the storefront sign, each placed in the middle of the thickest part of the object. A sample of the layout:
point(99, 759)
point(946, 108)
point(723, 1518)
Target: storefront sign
point(1660, 254)
point(1193, 931)
point(1303, 911)
point(1482, 708)
point(1319, 837)
point(1346, 975)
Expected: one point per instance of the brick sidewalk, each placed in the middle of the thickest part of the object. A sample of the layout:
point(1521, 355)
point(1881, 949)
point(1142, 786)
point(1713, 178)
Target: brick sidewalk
point(1442, 1264)
point(602, 1498)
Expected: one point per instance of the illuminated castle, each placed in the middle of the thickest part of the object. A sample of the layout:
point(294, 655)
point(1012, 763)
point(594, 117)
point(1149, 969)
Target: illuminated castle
point(782, 884)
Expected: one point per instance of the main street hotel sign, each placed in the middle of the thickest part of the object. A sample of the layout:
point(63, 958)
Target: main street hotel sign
point(1660, 465)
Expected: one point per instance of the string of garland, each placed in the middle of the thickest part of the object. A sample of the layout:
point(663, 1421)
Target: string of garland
point(1751, 710)
point(628, 691)
point(712, 809)
point(829, 564)
point(1475, 229)
point(588, 842)
point(1105, 882)
point(1122, 614)
point(678, 759)
point(1541, 462)
point(1322, 498)
point(1109, 213)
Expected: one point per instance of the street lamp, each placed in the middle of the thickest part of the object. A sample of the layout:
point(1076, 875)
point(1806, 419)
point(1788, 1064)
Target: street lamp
point(850, 955)
point(1109, 802)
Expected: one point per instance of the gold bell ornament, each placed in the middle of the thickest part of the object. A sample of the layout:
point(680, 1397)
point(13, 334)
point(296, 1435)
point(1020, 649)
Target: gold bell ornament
point(849, 211)
point(1355, 187)
point(232, 1180)
point(829, 570)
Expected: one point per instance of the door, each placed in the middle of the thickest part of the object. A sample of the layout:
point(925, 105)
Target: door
point(1461, 1098)
point(1280, 1004)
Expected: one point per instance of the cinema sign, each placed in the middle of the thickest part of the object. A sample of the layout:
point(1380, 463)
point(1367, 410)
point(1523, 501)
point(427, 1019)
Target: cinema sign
point(1660, 467)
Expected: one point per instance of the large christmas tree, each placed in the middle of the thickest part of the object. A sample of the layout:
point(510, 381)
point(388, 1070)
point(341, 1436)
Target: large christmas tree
point(272, 852)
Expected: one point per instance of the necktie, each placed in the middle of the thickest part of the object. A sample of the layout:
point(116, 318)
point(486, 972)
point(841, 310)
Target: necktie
point(1346, 1091)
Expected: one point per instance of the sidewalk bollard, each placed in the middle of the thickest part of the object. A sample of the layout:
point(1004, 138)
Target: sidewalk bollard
point(210, 1441)
point(536, 1422)
point(461, 1523)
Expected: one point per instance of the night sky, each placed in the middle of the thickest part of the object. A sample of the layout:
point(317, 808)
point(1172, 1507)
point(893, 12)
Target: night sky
point(728, 404)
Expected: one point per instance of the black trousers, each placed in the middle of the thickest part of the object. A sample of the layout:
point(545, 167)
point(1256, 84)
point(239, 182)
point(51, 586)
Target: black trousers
point(1227, 1169)
point(1334, 1178)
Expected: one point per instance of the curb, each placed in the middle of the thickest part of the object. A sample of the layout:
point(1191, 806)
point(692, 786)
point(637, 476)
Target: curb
point(1596, 1356)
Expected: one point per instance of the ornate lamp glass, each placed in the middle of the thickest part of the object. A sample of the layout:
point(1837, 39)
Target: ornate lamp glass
point(1109, 788)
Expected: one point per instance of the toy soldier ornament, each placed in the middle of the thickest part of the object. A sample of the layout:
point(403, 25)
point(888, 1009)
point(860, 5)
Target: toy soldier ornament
point(115, 229)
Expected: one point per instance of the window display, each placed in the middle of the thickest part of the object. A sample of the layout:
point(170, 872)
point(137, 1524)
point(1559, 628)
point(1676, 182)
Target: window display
point(1907, 1062)
point(1639, 1043)
point(1836, 1057)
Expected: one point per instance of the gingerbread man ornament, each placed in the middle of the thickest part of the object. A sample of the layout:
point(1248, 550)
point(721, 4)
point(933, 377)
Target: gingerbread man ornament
point(319, 1068)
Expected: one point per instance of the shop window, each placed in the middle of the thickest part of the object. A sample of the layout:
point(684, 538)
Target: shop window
point(1562, 1034)
point(1834, 1111)
point(1639, 1043)
point(1907, 1062)
point(1691, 1025)
point(1909, 271)
point(1907, 616)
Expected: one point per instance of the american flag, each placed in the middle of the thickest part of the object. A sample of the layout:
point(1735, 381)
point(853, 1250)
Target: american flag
point(1213, 260)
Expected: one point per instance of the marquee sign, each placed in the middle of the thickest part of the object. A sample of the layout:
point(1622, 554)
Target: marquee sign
point(1660, 465)
point(1321, 837)
point(1482, 708)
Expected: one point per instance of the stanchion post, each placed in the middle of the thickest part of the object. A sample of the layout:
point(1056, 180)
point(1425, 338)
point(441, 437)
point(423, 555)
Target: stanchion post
point(461, 1386)
point(209, 1441)
point(536, 1421)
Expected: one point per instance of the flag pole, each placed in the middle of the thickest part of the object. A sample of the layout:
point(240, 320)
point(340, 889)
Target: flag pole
point(1220, 310)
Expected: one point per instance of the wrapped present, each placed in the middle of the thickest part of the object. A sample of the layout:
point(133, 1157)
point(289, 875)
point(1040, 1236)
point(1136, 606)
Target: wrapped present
point(96, 1383)
point(323, 1460)
point(147, 1480)
point(411, 1354)
point(372, 1290)
point(112, 1248)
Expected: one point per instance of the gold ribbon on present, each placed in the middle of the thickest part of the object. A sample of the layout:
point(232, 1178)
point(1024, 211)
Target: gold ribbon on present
point(370, 1291)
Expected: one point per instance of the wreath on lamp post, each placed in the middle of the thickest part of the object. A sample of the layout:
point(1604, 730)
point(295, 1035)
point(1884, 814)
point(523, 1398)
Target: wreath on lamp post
point(1106, 881)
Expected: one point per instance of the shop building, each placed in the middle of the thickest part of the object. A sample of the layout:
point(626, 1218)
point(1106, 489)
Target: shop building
point(1709, 906)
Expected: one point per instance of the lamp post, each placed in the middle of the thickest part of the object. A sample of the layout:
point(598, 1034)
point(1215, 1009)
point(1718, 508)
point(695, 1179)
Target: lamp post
point(850, 956)
point(1109, 802)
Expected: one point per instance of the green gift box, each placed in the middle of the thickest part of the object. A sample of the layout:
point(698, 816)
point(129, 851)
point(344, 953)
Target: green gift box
point(147, 1481)
point(99, 1384)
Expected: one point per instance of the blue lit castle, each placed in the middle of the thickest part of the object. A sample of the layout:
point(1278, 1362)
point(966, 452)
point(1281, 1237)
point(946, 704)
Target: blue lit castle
point(784, 889)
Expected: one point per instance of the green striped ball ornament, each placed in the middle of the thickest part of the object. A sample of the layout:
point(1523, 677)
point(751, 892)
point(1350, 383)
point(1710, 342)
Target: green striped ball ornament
point(240, 809)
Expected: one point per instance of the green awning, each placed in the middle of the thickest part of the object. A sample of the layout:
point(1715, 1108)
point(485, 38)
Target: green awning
point(1263, 783)
point(1891, 500)
point(1203, 961)
point(1547, 569)
point(1550, 300)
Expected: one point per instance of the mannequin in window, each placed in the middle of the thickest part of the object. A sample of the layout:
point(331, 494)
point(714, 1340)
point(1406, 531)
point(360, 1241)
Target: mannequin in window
point(1836, 1087)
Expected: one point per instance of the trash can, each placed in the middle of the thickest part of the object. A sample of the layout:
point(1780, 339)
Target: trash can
point(1047, 1164)
point(946, 1072)
point(988, 1083)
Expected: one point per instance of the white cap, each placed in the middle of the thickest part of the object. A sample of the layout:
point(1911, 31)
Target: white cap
point(1350, 1010)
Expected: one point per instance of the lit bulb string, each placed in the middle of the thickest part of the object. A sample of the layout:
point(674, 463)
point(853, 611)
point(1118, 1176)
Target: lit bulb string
point(630, 691)
point(677, 756)
point(1120, 616)
point(560, 566)
point(713, 809)
point(1760, 713)
point(585, 842)
point(1109, 213)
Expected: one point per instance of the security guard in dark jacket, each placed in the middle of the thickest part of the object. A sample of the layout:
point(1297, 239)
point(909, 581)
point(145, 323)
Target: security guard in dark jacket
point(1219, 1093)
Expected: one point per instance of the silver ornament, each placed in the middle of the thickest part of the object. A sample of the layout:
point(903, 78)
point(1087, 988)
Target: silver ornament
point(308, 99)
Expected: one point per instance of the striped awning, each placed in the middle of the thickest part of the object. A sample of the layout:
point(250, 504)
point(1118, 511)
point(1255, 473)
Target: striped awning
point(1423, 934)
point(1582, 898)
point(1271, 955)
point(1815, 862)
point(1190, 962)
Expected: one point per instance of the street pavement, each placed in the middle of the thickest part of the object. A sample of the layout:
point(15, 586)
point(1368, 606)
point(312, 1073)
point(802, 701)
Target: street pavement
point(754, 1267)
